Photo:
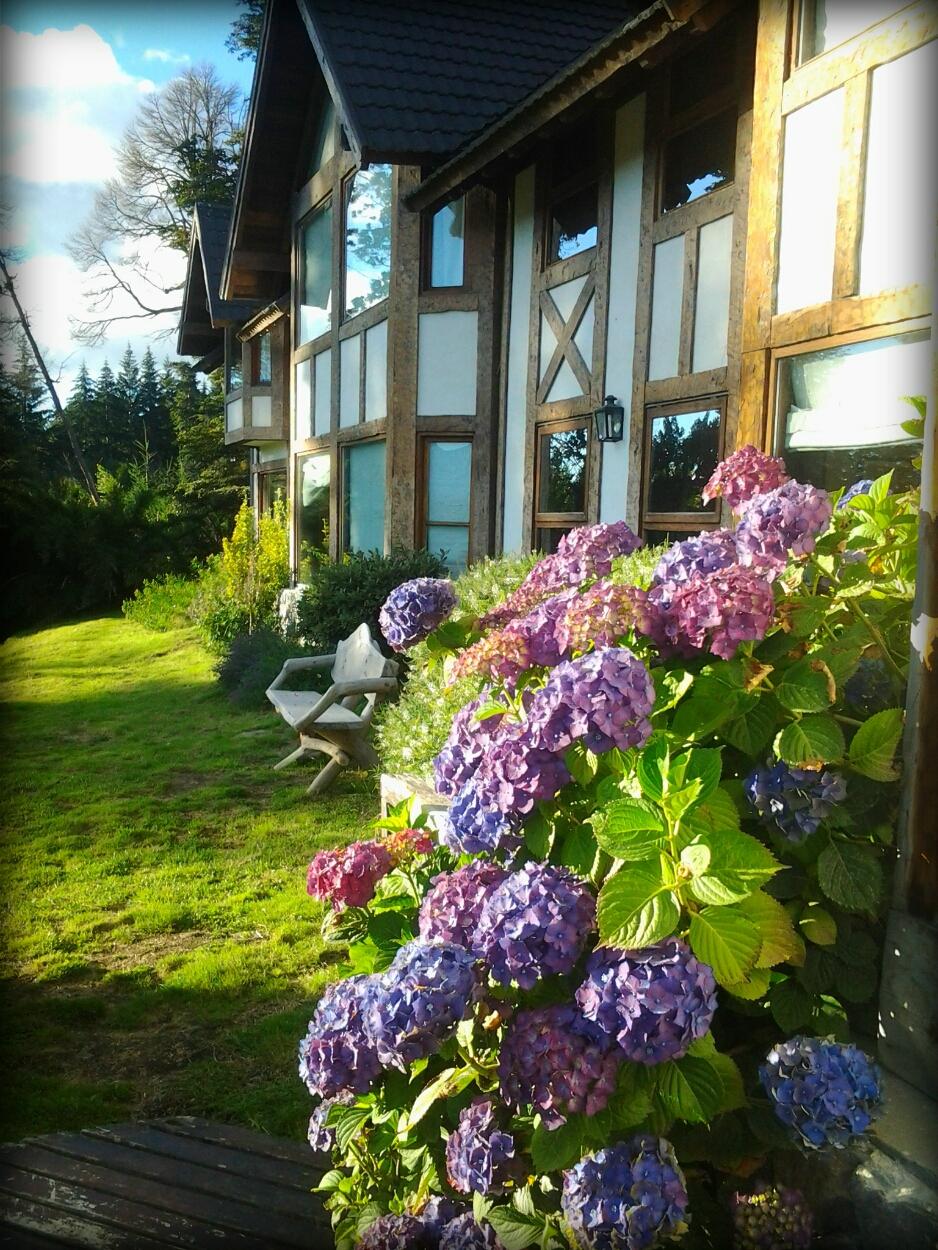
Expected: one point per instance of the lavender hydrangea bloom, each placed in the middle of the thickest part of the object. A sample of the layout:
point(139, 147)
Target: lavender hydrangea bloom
point(438, 1213)
point(319, 1135)
point(336, 1055)
point(475, 823)
point(452, 906)
point(824, 1092)
point(794, 800)
point(604, 697)
point(535, 924)
point(396, 1232)
point(480, 1157)
point(781, 522)
point(468, 742)
point(540, 629)
point(628, 1196)
point(771, 1218)
point(870, 688)
point(548, 1062)
point(858, 488)
point(600, 615)
point(414, 609)
point(654, 1002)
point(466, 1233)
point(419, 1001)
point(704, 553)
point(530, 640)
point(715, 611)
point(520, 773)
point(745, 475)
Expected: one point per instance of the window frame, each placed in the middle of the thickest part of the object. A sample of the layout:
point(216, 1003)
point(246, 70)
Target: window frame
point(426, 251)
point(559, 269)
point(298, 457)
point(684, 522)
point(561, 520)
point(346, 185)
point(343, 449)
point(423, 519)
point(255, 351)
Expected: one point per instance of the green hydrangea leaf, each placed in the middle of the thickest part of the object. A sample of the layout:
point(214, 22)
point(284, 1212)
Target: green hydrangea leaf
point(449, 1083)
point(516, 1231)
point(726, 940)
point(807, 686)
point(631, 829)
point(856, 984)
point(850, 875)
point(811, 742)
point(780, 942)
point(552, 1149)
point(753, 987)
point(653, 768)
point(874, 745)
point(697, 717)
point(791, 1005)
point(738, 865)
point(690, 1089)
point(818, 925)
point(734, 1090)
point(715, 814)
point(636, 907)
point(751, 732)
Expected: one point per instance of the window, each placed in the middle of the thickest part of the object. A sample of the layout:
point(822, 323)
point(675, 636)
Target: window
point(367, 238)
point(560, 481)
point(698, 160)
point(447, 244)
point(682, 449)
point(840, 410)
point(315, 276)
point(271, 489)
point(323, 148)
point(233, 378)
point(573, 209)
point(260, 359)
point(447, 477)
point(364, 493)
point(826, 23)
point(312, 511)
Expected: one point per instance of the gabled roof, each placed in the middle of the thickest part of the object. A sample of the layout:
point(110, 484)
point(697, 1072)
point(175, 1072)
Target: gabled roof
point(415, 80)
point(204, 313)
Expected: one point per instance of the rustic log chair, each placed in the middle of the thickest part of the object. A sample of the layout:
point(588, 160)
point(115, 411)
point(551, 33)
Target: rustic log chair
point(329, 724)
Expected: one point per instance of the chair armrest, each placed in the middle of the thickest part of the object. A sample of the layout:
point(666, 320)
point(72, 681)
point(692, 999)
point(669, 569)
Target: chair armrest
point(342, 690)
point(298, 665)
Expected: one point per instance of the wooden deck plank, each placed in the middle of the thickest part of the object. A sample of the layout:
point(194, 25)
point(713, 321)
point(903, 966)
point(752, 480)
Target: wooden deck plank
point(67, 1227)
point(244, 1139)
point(187, 1175)
point(189, 1213)
point(23, 1240)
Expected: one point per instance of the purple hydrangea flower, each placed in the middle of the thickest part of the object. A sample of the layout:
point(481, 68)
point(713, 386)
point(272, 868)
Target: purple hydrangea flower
point(825, 1093)
point(870, 688)
point(396, 1232)
point(347, 876)
point(781, 522)
point(858, 488)
point(629, 1196)
point(604, 697)
point(474, 823)
point(480, 1156)
point(507, 652)
point(712, 611)
point(414, 609)
point(468, 742)
point(771, 1218)
point(466, 1233)
point(336, 1055)
point(319, 1135)
point(706, 552)
point(438, 1213)
point(451, 907)
point(601, 615)
point(654, 1002)
point(519, 773)
point(794, 800)
point(419, 1001)
point(535, 924)
point(745, 475)
point(548, 1062)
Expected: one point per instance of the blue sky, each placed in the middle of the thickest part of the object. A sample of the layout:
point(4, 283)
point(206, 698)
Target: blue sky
point(72, 77)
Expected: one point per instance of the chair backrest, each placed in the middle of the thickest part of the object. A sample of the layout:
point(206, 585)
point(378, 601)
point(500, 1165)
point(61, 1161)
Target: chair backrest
point(358, 657)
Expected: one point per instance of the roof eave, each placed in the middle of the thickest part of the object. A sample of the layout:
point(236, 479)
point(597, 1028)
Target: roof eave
point(343, 105)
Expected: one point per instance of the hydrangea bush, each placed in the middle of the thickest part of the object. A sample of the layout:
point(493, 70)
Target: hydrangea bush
point(620, 974)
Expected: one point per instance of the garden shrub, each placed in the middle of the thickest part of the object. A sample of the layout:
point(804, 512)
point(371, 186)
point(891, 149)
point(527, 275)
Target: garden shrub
point(163, 602)
point(344, 593)
point(252, 662)
point(654, 910)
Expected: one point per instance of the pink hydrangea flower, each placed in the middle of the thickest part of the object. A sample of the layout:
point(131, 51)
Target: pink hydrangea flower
point(712, 611)
point(745, 474)
point(404, 845)
point(601, 615)
point(348, 875)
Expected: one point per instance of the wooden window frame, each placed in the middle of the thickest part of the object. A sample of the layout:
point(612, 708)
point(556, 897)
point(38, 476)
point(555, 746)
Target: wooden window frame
point(260, 472)
point(561, 269)
point(379, 309)
point(685, 522)
point(423, 480)
point(313, 345)
point(426, 252)
point(562, 520)
point(297, 457)
point(255, 353)
point(343, 450)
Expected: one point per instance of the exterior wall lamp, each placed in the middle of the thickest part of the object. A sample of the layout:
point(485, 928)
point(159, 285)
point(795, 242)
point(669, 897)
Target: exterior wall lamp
point(609, 421)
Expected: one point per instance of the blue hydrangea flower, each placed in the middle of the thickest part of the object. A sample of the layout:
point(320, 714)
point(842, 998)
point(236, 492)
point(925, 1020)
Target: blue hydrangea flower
point(419, 1002)
point(654, 1002)
point(474, 823)
point(336, 1054)
point(438, 1213)
point(870, 688)
point(452, 906)
point(794, 800)
point(858, 488)
point(319, 1135)
point(704, 553)
point(534, 924)
point(629, 1196)
point(548, 1062)
point(414, 609)
point(771, 1218)
point(826, 1093)
point(396, 1232)
point(465, 1233)
point(603, 698)
point(479, 1155)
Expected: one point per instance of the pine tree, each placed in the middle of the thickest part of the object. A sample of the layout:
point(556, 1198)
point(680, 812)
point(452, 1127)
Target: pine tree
point(129, 437)
point(154, 413)
point(106, 420)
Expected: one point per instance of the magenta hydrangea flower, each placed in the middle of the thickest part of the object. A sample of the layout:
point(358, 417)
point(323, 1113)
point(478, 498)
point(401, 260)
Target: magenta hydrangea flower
point(744, 475)
point(782, 522)
point(468, 742)
point(480, 1156)
point(534, 924)
point(712, 611)
point(601, 615)
point(704, 553)
point(337, 1055)
point(548, 1063)
point(653, 1002)
point(348, 875)
point(452, 906)
point(603, 698)
point(414, 609)
point(772, 1217)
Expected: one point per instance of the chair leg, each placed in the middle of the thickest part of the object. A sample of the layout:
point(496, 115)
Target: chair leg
point(300, 753)
point(327, 774)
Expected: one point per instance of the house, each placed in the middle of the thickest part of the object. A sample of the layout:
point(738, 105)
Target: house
point(528, 265)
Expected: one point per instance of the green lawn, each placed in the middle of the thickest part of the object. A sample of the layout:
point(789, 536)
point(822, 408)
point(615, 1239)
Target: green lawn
point(160, 954)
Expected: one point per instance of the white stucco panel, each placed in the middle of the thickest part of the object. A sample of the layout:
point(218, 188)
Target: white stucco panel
point(376, 372)
point(260, 410)
point(350, 363)
point(322, 392)
point(446, 364)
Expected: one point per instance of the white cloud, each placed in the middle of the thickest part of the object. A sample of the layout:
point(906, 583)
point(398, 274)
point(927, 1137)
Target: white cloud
point(165, 56)
point(58, 60)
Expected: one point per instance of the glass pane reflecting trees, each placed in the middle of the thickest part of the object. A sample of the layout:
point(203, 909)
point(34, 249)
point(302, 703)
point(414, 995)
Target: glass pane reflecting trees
point(367, 238)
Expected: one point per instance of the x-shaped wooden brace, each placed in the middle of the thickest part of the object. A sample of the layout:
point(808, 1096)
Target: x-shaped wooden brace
point(566, 349)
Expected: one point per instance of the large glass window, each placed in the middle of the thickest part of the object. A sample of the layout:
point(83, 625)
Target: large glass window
point(561, 481)
point(827, 23)
point(367, 238)
point(447, 244)
point(260, 358)
point(271, 490)
point(315, 275)
point(447, 487)
point(312, 511)
point(364, 492)
point(840, 410)
point(683, 448)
